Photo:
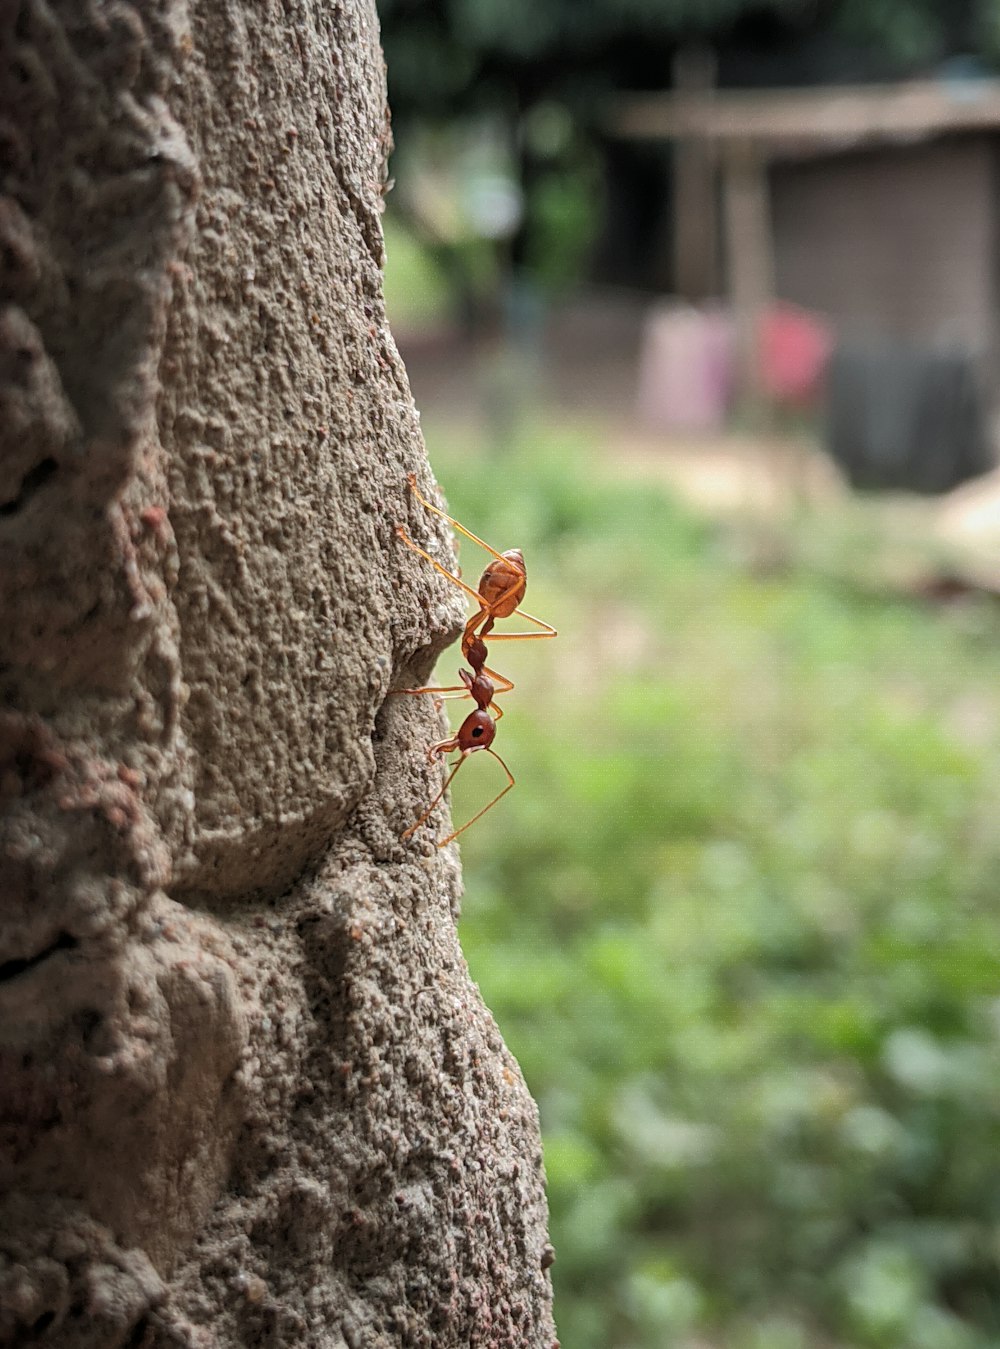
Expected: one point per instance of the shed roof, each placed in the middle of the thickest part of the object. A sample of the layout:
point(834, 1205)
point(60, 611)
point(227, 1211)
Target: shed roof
point(817, 120)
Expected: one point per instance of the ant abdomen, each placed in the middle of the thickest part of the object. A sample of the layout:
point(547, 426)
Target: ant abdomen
point(503, 583)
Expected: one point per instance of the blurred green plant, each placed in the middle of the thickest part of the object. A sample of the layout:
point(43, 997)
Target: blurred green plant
point(418, 293)
point(739, 923)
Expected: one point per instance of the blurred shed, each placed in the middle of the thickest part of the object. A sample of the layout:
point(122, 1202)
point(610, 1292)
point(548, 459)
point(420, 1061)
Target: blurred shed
point(875, 205)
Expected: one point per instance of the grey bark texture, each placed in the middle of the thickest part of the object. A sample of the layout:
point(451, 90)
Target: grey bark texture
point(248, 1092)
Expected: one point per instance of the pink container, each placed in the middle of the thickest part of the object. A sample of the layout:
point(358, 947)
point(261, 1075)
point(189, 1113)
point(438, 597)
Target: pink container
point(686, 368)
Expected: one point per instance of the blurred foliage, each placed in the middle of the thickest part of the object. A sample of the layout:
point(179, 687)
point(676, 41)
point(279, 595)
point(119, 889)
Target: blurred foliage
point(562, 210)
point(543, 74)
point(739, 923)
point(471, 195)
point(448, 57)
point(416, 286)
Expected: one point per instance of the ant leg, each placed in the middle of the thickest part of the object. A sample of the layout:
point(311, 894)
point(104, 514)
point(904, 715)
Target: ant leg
point(547, 630)
point(408, 833)
point(411, 478)
point(470, 634)
point(474, 594)
point(448, 688)
point(486, 618)
point(501, 685)
point(479, 815)
point(447, 694)
point(494, 708)
point(505, 685)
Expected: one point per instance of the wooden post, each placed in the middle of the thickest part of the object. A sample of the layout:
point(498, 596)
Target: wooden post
point(695, 235)
point(749, 262)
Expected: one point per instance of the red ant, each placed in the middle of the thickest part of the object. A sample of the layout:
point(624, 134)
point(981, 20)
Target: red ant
point(476, 732)
point(501, 590)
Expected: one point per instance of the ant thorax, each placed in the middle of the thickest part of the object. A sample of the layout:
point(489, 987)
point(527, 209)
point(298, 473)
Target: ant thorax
point(480, 686)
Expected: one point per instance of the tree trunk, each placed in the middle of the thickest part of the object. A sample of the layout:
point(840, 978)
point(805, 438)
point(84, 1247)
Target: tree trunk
point(248, 1092)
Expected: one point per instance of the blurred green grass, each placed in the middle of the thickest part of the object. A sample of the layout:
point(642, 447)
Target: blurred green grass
point(739, 923)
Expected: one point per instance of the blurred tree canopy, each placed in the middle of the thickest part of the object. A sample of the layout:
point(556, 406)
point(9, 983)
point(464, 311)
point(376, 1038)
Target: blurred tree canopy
point(544, 72)
point(446, 57)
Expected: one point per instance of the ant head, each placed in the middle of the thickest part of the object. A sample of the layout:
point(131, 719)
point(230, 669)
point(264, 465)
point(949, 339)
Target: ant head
point(476, 731)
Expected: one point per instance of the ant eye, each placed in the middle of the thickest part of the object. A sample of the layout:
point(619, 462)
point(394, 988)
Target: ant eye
point(478, 730)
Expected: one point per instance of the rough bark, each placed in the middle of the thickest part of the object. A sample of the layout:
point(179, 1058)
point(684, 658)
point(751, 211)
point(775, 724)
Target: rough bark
point(248, 1092)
